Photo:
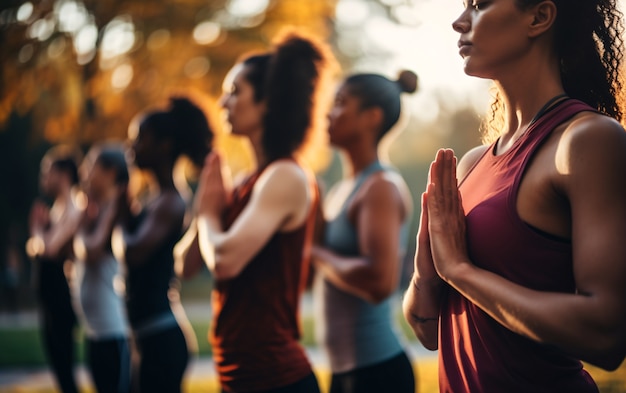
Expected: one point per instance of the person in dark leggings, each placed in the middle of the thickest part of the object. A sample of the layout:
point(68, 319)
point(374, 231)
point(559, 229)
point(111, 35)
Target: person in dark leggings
point(97, 299)
point(146, 242)
point(360, 258)
point(52, 230)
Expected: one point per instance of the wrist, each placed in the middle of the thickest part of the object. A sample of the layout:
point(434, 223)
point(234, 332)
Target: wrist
point(456, 272)
point(427, 283)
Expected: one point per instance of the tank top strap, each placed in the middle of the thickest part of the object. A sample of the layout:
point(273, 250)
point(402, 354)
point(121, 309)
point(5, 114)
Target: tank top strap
point(372, 168)
point(539, 132)
point(543, 127)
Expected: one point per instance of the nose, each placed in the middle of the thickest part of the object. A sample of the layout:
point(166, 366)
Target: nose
point(223, 100)
point(462, 24)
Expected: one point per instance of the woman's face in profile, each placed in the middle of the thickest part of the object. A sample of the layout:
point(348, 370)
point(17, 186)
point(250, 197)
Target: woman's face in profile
point(343, 117)
point(243, 112)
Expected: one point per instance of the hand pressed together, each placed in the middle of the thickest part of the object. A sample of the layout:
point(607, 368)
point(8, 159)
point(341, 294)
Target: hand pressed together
point(446, 218)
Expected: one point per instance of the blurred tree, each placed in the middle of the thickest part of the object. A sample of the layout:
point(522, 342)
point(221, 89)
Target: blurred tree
point(79, 71)
point(83, 68)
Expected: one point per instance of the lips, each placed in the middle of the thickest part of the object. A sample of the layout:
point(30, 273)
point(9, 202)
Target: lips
point(464, 47)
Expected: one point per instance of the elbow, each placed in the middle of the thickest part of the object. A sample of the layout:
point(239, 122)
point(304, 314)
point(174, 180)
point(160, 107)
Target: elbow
point(224, 268)
point(609, 354)
point(224, 273)
point(432, 344)
point(608, 361)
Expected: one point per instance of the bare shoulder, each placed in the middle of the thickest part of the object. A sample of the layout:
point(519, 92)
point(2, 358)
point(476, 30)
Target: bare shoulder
point(284, 174)
point(590, 127)
point(387, 186)
point(594, 136)
point(469, 159)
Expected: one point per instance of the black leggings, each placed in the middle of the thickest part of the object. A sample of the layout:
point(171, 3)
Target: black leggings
point(307, 384)
point(394, 375)
point(58, 322)
point(163, 360)
point(109, 364)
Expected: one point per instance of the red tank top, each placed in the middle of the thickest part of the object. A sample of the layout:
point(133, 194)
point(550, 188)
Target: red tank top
point(255, 332)
point(476, 353)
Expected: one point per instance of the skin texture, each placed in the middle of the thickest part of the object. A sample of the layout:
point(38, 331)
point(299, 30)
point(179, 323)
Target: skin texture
point(280, 201)
point(52, 229)
point(165, 213)
point(93, 239)
point(377, 211)
point(573, 188)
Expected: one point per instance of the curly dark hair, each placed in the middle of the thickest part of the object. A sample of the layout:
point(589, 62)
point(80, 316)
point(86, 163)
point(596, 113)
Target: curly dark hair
point(287, 78)
point(186, 126)
point(588, 40)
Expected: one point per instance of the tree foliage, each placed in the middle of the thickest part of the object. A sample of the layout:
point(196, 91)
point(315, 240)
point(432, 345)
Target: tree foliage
point(83, 68)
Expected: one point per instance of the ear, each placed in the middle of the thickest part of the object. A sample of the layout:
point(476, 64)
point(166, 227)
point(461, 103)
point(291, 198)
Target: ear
point(543, 18)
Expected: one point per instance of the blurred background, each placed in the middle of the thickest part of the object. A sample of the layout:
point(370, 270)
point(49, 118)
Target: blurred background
point(78, 71)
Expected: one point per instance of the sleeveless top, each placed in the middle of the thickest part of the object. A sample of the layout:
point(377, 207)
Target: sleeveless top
point(255, 331)
point(476, 353)
point(147, 287)
point(99, 305)
point(355, 333)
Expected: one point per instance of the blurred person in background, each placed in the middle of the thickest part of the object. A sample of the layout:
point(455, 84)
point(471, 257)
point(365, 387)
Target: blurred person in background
point(255, 239)
point(146, 239)
point(521, 260)
point(359, 260)
point(51, 234)
point(97, 298)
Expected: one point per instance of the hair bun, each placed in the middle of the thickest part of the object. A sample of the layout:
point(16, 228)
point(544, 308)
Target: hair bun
point(408, 81)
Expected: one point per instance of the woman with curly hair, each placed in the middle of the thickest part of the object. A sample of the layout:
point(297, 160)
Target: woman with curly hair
point(520, 265)
point(147, 238)
point(255, 239)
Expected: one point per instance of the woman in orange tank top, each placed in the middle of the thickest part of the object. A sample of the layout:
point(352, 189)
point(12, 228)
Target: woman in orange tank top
point(255, 239)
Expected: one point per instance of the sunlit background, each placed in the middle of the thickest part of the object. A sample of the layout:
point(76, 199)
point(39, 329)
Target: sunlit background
point(78, 71)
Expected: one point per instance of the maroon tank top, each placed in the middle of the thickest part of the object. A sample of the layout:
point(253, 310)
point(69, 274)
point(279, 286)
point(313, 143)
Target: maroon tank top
point(476, 353)
point(255, 331)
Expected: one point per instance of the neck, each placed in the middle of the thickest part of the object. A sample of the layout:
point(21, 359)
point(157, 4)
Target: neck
point(524, 93)
point(64, 198)
point(257, 148)
point(164, 176)
point(361, 156)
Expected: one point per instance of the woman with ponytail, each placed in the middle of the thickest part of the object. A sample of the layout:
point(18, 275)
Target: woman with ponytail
point(147, 239)
point(360, 259)
point(521, 263)
point(256, 238)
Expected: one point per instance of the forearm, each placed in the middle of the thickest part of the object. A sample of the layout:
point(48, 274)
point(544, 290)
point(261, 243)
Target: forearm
point(187, 255)
point(421, 307)
point(351, 274)
point(98, 243)
point(213, 248)
point(580, 324)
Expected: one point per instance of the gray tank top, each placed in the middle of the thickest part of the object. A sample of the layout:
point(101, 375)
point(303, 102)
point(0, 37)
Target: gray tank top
point(354, 332)
point(97, 299)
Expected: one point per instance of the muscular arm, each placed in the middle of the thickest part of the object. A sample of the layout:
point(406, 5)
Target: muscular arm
point(373, 275)
point(164, 219)
point(590, 324)
point(422, 300)
point(279, 201)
